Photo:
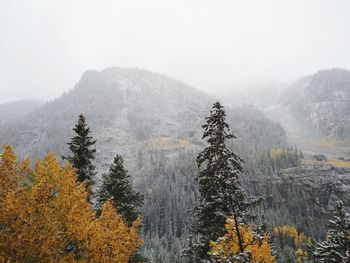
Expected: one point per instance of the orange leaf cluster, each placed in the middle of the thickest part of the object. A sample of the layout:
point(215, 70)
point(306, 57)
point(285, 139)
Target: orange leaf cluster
point(292, 232)
point(45, 216)
point(299, 239)
point(228, 245)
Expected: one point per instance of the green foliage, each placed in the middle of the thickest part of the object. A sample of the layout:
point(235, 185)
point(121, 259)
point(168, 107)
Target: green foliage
point(288, 238)
point(81, 147)
point(337, 246)
point(167, 179)
point(221, 195)
point(116, 185)
point(51, 220)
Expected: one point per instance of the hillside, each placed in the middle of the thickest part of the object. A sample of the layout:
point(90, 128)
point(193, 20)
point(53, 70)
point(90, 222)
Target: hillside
point(323, 101)
point(155, 122)
point(123, 106)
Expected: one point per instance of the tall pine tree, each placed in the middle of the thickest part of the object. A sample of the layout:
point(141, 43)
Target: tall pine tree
point(82, 149)
point(221, 194)
point(116, 185)
point(337, 246)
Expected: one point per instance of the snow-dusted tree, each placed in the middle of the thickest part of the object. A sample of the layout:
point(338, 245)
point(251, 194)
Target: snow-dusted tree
point(337, 246)
point(81, 147)
point(221, 194)
point(116, 185)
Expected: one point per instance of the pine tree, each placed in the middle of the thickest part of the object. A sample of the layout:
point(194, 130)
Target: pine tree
point(116, 185)
point(337, 246)
point(81, 147)
point(221, 195)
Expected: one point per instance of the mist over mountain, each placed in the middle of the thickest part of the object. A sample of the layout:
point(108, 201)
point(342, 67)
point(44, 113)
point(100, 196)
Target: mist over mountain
point(315, 112)
point(130, 104)
point(323, 101)
point(11, 111)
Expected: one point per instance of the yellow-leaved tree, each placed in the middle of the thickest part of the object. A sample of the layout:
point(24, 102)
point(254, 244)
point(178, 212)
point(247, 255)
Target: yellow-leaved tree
point(226, 248)
point(301, 242)
point(45, 216)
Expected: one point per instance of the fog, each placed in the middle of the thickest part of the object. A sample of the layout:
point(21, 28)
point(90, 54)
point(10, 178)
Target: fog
point(45, 46)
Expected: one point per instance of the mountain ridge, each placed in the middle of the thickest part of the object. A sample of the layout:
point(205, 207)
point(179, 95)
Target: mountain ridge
point(126, 101)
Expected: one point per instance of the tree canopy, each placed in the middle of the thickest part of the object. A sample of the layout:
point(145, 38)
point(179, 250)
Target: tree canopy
point(45, 216)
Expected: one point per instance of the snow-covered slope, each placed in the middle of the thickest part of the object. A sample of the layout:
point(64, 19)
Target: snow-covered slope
point(323, 101)
point(315, 112)
point(124, 108)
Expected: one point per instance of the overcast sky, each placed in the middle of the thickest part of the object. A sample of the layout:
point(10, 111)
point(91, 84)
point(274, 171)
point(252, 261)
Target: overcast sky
point(45, 45)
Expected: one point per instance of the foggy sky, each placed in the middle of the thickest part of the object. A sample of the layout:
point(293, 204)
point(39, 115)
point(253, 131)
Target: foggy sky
point(46, 45)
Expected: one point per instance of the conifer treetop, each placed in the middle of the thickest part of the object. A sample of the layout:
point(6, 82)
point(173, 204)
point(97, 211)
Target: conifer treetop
point(216, 132)
point(337, 246)
point(116, 185)
point(81, 147)
point(221, 194)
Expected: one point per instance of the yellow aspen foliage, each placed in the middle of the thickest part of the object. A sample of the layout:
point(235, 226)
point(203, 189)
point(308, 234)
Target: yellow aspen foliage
point(11, 175)
point(228, 245)
point(301, 255)
point(292, 232)
point(45, 216)
point(276, 152)
point(113, 240)
point(299, 240)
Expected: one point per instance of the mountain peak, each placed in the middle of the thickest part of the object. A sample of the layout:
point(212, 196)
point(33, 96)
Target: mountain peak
point(333, 73)
point(88, 75)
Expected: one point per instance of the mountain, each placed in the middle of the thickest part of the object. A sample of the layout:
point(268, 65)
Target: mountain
point(152, 120)
point(13, 110)
point(122, 106)
point(155, 122)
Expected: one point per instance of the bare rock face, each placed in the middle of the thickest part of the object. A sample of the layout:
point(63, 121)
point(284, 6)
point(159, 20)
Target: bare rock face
point(322, 101)
point(321, 184)
point(303, 196)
